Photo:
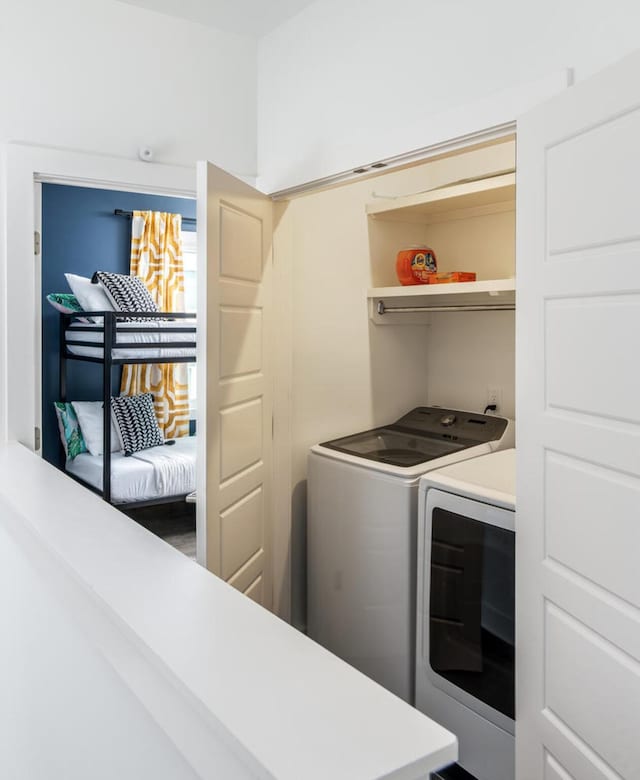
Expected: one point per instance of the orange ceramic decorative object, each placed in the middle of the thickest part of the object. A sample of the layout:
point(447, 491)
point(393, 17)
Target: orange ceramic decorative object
point(415, 265)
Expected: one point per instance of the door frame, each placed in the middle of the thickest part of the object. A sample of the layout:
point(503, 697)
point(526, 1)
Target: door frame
point(37, 227)
point(23, 169)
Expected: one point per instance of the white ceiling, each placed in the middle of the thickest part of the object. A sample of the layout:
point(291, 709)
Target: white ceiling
point(247, 17)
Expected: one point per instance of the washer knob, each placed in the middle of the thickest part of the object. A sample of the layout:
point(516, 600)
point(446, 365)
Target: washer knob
point(448, 420)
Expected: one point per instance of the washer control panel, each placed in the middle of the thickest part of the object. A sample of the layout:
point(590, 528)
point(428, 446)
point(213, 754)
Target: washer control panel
point(452, 424)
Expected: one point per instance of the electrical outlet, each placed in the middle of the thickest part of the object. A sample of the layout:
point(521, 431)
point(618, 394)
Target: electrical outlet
point(494, 397)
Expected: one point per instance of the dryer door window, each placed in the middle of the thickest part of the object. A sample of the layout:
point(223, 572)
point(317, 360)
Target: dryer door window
point(472, 608)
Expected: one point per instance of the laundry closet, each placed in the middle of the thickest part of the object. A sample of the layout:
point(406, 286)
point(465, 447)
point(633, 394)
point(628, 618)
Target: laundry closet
point(353, 368)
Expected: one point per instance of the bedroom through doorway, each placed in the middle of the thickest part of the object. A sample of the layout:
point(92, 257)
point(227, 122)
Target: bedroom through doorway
point(86, 230)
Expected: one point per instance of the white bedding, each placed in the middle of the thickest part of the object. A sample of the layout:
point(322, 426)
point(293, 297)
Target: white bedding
point(163, 337)
point(169, 470)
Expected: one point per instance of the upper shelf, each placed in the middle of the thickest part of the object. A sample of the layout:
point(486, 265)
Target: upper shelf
point(457, 201)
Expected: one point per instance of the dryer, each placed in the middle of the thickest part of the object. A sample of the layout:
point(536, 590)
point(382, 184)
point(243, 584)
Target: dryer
point(362, 538)
point(465, 659)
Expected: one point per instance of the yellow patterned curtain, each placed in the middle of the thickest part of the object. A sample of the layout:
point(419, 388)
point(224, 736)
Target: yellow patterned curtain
point(156, 257)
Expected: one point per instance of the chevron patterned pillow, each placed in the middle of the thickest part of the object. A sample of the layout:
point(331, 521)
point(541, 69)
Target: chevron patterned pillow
point(126, 293)
point(136, 421)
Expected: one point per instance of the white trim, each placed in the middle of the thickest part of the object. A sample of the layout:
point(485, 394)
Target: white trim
point(37, 302)
point(201, 355)
point(4, 368)
point(377, 167)
point(99, 184)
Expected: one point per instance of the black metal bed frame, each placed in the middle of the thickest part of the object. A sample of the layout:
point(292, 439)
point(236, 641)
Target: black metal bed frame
point(110, 330)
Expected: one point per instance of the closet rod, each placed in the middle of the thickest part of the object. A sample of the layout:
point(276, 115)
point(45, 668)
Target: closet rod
point(129, 215)
point(382, 309)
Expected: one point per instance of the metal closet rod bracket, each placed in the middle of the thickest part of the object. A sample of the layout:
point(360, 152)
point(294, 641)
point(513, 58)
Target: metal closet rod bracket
point(382, 309)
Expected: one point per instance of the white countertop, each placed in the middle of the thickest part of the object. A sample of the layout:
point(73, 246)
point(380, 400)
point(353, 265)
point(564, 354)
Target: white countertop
point(219, 675)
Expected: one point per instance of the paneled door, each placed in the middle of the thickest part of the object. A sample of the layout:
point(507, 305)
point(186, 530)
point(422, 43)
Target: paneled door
point(235, 393)
point(578, 412)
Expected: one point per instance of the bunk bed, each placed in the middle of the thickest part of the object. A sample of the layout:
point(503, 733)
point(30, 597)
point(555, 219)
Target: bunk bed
point(158, 475)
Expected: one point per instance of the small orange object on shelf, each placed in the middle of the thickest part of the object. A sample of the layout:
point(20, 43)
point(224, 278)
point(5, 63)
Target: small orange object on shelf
point(452, 276)
point(416, 265)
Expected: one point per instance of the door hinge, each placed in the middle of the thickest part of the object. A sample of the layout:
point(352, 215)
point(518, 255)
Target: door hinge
point(36, 438)
point(36, 242)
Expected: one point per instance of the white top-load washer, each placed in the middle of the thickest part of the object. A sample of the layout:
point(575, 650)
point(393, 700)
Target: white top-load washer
point(465, 659)
point(362, 538)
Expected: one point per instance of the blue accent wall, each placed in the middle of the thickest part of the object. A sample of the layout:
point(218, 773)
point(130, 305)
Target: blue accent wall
point(80, 235)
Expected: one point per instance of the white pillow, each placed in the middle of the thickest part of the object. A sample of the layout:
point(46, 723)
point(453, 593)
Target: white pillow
point(91, 297)
point(90, 419)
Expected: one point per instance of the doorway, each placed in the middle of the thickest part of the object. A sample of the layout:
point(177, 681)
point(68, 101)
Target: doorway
point(83, 231)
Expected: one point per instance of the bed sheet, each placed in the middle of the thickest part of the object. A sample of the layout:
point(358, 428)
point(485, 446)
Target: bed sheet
point(169, 470)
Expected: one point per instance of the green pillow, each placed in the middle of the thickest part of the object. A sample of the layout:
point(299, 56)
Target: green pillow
point(67, 303)
point(70, 432)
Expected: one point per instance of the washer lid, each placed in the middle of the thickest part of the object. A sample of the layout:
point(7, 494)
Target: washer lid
point(425, 433)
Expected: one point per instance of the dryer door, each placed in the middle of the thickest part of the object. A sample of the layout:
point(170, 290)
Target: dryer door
point(468, 604)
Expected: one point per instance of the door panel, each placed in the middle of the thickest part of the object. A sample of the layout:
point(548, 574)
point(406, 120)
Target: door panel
point(582, 184)
point(604, 714)
point(241, 245)
point(242, 532)
point(234, 491)
point(586, 349)
point(241, 444)
point(573, 510)
point(578, 516)
point(240, 341)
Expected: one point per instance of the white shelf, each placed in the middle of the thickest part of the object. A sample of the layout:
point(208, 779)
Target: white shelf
point(493, 294)
point(457, 201)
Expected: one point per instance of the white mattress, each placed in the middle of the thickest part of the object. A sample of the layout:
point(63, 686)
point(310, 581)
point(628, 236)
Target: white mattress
point(169, 470)
point(164, 335)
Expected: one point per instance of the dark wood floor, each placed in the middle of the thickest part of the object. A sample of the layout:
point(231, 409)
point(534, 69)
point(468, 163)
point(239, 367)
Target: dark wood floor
point(454, 772)
point(175, 523)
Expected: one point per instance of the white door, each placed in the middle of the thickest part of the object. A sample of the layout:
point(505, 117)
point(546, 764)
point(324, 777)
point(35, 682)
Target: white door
point(235, 420)
point(578, 411)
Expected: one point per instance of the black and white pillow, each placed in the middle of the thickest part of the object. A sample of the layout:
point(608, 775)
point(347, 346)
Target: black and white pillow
point(136, 421)
point(126, 293)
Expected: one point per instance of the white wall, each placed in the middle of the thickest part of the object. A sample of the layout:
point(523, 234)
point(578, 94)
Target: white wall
point(106, 77)
point(347, 82)
point(471, 351)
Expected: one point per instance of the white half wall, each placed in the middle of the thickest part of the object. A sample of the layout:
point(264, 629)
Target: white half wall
point(107, 77)
point(348, 82)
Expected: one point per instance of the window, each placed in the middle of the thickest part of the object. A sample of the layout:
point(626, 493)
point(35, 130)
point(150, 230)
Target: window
point(190, 260)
